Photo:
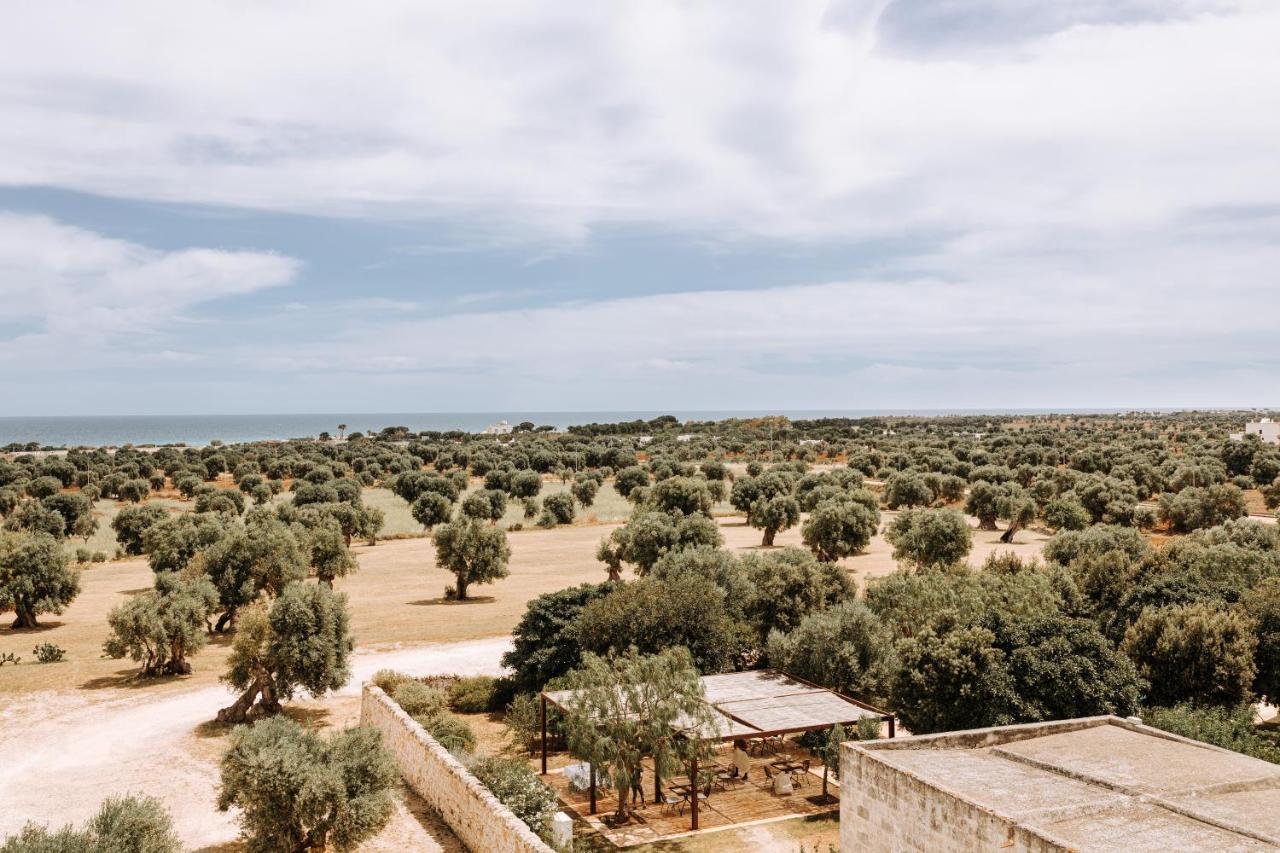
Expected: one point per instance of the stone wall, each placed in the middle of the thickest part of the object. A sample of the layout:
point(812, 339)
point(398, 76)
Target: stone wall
point(467, 806)
point(883, 808)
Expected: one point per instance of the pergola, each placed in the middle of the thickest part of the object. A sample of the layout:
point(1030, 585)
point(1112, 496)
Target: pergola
point(762, 703)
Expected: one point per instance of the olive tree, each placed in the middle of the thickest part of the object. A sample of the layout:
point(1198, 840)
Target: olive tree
point(301, 641)
point(838, 528)
point(35, 577)
point(775, 514)
point(298, 791)
point(162, 627)
point(846, 648)
point(930, 538)
point(431, 508)
point(134, 520)
point(474, 552)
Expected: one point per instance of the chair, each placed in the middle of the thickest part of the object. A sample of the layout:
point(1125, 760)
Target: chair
point(801, 776)
point(671, 801)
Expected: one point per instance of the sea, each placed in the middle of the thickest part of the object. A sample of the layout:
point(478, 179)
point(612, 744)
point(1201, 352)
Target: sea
point(198, 430)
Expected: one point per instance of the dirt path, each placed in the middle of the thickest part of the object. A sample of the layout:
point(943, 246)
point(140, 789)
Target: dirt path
point(61, 753)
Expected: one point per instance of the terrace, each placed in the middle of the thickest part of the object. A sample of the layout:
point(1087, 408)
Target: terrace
point(759, 709)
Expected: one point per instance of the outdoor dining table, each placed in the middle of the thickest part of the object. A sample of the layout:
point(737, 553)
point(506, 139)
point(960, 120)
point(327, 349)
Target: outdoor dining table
point(787, 765)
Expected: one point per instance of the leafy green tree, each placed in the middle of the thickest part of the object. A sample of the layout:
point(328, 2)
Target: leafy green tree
point(651, 615)
point(298, 791)
point(171, 543)
point(930, 538)
point(134, 491)
point(128, 824)
point(560, 507)
point(327, 551)
point(431, 508)
point(1108, 500)
point(627, 708)
point(956, 680)
point(545, 643)
point(76, 512)
point(629, 479)
point(35, 577)
point(680, 496)
point(907, 489)
point(1195, 508)
point(485, 504)
point(1200, 653)
point(525, 484)
point(34, 517)
point(773, 515)
point(648, 536)
point(845, 648)
point(1069, 545)
point(132, 521)
point(263, 556)
point(43, 487)
point(789, 584)
point(585, 490)
point(302, 641)
point(1066, 513)
point(1263, 604)
point(839, 528)
point(162, 627)
point(474, 552)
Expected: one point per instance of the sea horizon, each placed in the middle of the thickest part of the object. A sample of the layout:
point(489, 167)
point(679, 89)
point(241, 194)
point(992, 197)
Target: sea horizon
point(201, 429)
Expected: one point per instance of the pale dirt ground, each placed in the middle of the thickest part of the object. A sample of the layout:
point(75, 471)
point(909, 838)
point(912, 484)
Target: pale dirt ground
point(74, 732)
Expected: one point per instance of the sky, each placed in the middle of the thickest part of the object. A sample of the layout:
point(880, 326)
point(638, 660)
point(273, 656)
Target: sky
point(245, 207)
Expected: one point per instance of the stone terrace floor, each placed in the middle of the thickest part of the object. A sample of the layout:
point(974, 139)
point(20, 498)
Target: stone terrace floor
point(737, 804)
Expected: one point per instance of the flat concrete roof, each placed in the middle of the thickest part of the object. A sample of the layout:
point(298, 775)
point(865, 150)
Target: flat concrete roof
point(1101, 784)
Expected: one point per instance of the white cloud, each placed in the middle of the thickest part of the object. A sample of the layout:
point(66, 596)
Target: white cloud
point(737, 118)
point(69, 286)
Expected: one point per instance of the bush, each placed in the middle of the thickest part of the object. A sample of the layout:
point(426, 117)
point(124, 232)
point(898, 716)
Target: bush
point(388, 680)
point(560, 506)
point(419, 700)
point(48, 653)
point(524, 721)
point(473, 694)
point(122, 825)
point(1229, 728)
point(98, 557)
point(452, 732)
point(83, 555)
point(519, 789)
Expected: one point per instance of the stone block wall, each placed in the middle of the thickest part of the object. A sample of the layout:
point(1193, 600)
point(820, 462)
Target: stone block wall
point(886, 810)
point(469, 808)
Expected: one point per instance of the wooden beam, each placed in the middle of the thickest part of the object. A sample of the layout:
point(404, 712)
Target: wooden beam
point(544, 734)
point(591, 771)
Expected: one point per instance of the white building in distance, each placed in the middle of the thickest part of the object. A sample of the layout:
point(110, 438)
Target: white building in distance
point(500, 428)
point(1265, 429)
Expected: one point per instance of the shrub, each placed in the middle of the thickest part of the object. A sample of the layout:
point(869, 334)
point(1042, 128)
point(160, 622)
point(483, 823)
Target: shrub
point(1228, 727)
point(48, 653)
point(472, 694)
point(98, 557)
point(450, 731)
point(419, 700)
point(560, 506)
point(524, 721)
point(388, 680)
point(127, 824)
point(83, 555)
point(519, 789)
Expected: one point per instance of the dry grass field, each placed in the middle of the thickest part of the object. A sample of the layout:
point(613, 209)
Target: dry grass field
point(75, 731)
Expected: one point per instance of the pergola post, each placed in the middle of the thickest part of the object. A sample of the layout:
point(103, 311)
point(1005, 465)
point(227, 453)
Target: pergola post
point(893, 727)
point(657, 777)
point(544, 734)
point(591, 771)
point(693, 796)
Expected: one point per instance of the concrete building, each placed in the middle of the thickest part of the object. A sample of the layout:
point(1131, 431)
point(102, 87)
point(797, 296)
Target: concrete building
point(1266, 429)
point(1093, 784)
point(500, 428)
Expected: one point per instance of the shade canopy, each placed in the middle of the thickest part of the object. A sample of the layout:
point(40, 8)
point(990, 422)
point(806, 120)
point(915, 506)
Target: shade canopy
point(762, 702)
